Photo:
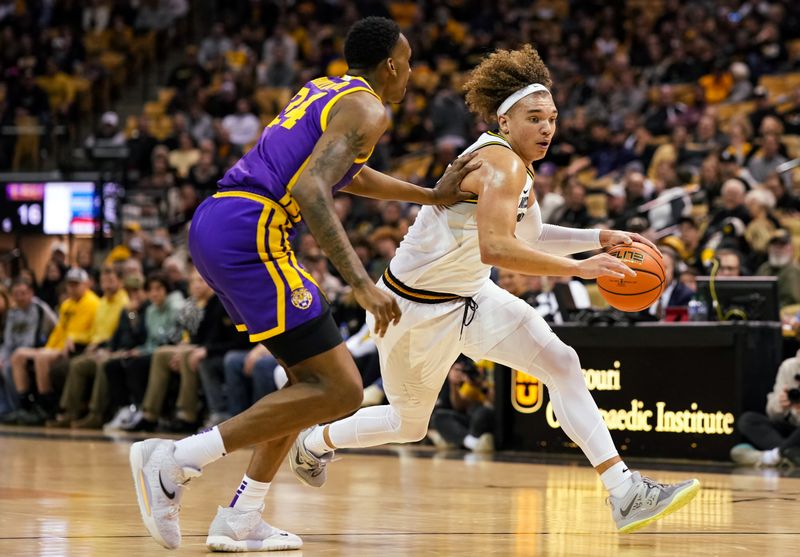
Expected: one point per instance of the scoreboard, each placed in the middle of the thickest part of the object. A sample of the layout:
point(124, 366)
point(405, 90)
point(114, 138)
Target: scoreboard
point(22, 208)
point(49, 208)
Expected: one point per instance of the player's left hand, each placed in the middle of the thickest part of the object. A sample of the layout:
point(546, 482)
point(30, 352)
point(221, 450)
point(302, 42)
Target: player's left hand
point(448, 189)
point(611, 238)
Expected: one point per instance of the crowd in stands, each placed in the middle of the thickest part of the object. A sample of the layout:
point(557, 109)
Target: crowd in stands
point(62, 62)
point(661, 130)
point(677, 120)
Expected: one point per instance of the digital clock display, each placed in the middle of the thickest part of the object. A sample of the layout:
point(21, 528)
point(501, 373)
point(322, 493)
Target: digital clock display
point(49, 208)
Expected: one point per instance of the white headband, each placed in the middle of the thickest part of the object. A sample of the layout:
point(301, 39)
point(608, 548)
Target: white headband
point(515, 97)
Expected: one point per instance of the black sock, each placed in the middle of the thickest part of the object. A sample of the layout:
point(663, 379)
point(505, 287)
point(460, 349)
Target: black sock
point(25, 400)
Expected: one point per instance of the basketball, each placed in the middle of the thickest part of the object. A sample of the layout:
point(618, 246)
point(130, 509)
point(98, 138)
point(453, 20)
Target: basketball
point(639, 292)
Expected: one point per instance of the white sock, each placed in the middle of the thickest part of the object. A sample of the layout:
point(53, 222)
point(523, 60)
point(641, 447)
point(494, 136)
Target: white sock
point(200, 450)
point(617, 479)
point(250, 495)
point(315, 442)
point(280, 377)
point(771, 457)
point(470, 442)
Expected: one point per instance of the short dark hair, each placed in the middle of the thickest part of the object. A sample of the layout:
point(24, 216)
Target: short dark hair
point(160, 278)
point(370, 41)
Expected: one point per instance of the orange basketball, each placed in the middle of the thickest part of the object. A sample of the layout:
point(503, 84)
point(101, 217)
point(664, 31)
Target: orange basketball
point(639, 292)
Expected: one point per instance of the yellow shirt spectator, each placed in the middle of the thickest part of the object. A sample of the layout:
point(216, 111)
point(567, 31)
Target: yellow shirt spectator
point(237, 57)
point(59, 88)
point(107, 317)
point(75, 321)
point(716, 87)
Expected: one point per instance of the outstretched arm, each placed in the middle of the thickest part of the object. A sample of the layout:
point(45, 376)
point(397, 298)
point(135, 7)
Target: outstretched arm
point(377, 185)
point(562, 240)
point(557, 240)
point(500, 182)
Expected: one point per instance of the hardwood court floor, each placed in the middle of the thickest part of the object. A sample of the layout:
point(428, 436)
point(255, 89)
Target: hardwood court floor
point(61, 496)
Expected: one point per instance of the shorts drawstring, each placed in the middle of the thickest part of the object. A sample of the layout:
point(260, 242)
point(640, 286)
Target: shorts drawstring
point(470, 307)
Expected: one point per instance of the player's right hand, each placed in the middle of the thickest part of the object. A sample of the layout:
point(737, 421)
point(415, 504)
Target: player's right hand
point(381, 305)
point(604, 265)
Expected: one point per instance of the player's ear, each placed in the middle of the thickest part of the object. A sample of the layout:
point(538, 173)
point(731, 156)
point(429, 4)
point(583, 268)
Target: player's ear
point(502, 121)
point(391, 66)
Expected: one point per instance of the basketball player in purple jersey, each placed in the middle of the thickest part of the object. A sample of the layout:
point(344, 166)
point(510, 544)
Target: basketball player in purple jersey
point(239, 240)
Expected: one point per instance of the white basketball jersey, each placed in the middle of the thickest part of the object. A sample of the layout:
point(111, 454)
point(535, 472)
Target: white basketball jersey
point(440, 252)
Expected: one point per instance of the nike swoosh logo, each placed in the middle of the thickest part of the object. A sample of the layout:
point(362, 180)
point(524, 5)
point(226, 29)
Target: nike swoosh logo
point(624, 511)
point(164, 489)
point(624, 470)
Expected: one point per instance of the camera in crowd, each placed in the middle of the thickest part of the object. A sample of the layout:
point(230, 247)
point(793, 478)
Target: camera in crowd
point(794, 394)
point(470, 369)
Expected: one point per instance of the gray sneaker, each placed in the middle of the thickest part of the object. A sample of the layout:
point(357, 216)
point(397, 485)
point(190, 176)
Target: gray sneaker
point(648, 501)
point(309, 468)
point(152, 461)
point(233, 530)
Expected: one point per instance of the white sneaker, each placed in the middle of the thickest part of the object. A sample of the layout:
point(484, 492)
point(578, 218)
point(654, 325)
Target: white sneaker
point(123, 417)
point(746, 454)
point(309, 468)
point(215, 418)
point(233, 530)
point(485, 444)
point(438, 441)
point(373, 396)
point(151, 461)
point(648, 501)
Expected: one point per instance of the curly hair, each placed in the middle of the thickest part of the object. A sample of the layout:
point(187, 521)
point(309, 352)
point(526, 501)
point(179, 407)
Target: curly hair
point(499, 75)
point(370, 41)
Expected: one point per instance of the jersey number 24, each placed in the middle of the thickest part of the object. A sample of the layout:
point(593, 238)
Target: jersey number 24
point(296, 109)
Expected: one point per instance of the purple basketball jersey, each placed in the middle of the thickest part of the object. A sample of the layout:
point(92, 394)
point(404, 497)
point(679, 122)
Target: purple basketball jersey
point(272, 167)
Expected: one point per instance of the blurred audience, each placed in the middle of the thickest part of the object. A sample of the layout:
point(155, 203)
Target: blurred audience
point(782, 263)
point(659, 133)
point(775, 437)
point(464, 413)
point(70, 337)
point(28, 324)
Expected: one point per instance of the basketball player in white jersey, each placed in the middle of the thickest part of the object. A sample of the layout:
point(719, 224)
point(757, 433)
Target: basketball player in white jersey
point(440, 277)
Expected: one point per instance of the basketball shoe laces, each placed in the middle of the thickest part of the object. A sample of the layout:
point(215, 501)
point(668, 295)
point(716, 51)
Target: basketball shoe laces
point(648, 482)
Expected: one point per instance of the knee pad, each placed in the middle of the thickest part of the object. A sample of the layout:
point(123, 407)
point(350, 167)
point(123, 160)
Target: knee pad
point(413, 430)
point(407, 429)
point(559, 362)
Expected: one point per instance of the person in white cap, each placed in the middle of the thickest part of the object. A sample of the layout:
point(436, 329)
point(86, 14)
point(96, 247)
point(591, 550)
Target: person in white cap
point(440, 277)
point(108, 134)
